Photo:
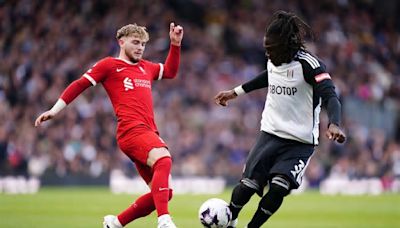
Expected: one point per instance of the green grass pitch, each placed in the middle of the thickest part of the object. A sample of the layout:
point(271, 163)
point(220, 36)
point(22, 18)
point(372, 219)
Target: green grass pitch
point(85, 207)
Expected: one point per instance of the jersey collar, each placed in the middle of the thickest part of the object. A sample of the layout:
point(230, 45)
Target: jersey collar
point(126, 61)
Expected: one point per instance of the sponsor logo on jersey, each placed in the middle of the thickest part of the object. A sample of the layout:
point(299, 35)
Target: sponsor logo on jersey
point(128, 84)
point(282, 90)
point(142, 83)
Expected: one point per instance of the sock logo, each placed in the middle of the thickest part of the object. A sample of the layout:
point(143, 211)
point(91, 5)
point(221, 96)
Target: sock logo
point(162, 189)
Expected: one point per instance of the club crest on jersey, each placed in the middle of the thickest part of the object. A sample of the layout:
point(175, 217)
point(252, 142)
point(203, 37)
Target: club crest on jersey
point(289, 73)
point(128, 84)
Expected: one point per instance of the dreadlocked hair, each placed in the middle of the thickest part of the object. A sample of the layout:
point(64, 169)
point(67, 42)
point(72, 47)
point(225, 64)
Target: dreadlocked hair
point(284, 37)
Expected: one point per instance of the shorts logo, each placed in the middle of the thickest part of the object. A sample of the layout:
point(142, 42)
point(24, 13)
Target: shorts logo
point(298, 171)
point(128, 84)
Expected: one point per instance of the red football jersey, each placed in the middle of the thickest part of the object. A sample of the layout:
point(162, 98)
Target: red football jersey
point(129, 87)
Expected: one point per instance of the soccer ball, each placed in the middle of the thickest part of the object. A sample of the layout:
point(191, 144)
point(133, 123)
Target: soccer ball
point(215, 213)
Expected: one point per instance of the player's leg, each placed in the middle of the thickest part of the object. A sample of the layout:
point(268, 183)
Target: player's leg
point(138, 149)
point(286, 174)
point(144, 205)
point(254, 178)
point(159, 159)
point(270, 203)
point(241, 195)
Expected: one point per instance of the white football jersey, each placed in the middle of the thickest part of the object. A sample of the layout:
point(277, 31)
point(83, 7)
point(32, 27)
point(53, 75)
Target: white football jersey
point(292, 106)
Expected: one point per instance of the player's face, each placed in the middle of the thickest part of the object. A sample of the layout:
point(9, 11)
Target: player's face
point(271, 46)
point(133, 47)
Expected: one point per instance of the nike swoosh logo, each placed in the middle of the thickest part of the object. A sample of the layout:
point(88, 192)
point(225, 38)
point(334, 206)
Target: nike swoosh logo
point(120, 69)
point(162, 189)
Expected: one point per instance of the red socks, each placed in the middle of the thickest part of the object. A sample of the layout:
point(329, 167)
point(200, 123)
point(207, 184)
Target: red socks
point(143, 206)
point(159, 184)
point(158, 197)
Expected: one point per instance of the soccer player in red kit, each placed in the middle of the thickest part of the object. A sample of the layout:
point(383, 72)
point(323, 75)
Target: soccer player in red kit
point(128, 80)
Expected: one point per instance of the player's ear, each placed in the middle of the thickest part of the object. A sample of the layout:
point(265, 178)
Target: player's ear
point(121, 42)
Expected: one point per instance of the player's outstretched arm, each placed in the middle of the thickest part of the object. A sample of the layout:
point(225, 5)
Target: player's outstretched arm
point(260, 81)
point(48, 115)
point(69, 94)
point(171, 65)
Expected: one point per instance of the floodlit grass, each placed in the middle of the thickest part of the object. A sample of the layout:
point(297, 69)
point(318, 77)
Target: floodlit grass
point(85, 207)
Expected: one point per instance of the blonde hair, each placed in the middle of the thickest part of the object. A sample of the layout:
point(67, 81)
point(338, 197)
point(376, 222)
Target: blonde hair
point(133, 30)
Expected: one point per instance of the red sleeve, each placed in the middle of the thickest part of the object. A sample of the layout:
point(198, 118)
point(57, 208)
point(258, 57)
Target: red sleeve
point(74, 89)
point(170, 68)
point(98, 72)
point(94, 75)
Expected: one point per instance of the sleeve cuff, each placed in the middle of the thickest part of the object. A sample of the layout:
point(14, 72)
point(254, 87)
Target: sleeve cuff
point(60, 104)
point(239, 90)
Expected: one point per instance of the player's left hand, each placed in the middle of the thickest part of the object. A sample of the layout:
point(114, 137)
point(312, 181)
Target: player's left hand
point(175, 34)
point(335, 133)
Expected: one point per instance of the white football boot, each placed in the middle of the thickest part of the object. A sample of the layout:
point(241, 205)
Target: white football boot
point(111, 221)
point(165, 221)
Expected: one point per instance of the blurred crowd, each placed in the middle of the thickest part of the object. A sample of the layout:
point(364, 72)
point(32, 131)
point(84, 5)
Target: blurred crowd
point(45, 45)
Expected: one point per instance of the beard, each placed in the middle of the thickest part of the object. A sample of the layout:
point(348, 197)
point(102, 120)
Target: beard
point(131, 57)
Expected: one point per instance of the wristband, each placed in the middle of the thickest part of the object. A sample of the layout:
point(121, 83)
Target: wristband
point(58, 106)
point(239, 90)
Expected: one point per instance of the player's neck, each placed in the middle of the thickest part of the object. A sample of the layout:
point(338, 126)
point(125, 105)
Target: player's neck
point(126, 59)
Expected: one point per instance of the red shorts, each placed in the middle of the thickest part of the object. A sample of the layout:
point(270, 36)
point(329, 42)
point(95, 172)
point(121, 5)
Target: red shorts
point(137, 148)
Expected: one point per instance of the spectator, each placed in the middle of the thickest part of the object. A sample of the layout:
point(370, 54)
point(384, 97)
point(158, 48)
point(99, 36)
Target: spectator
point(39, 43)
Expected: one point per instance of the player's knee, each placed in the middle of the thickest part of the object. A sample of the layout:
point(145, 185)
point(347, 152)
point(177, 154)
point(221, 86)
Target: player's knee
point(241, 194)
point(165, 162)
point(252, 185)
point(245, 189)
point(279, 186)
point(157, 154)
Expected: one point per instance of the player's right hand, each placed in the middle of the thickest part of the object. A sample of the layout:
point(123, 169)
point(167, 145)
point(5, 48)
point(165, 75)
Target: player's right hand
point(44, 117)
point(223, 97)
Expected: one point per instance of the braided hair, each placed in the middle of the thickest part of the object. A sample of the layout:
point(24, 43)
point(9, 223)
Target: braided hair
point(284, 37)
